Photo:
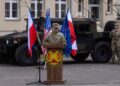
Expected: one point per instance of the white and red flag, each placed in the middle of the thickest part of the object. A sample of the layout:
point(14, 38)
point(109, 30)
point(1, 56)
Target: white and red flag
point(32, 34)
point(72, 34)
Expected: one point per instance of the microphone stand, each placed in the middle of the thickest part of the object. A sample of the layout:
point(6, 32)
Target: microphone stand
point(39, 82)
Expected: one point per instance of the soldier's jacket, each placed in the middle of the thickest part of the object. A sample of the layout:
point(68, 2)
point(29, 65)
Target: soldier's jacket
point(115, 36)
point(54, 40)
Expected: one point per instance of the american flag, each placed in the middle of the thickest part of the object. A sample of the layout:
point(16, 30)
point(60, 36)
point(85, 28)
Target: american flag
point(47, 28)
point(48, 21)
point(47, 24)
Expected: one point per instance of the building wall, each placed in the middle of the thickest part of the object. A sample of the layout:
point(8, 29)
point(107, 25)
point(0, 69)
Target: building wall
point(74, 8)
point(9, 25)
point(50, 4)
point(106, 16)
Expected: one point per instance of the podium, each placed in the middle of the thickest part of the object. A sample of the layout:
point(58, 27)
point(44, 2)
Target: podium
point(54, 60)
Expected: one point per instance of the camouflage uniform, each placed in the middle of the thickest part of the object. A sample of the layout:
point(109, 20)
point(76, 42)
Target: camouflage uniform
point(115, 43)
point(55, 37)
point(55, 41)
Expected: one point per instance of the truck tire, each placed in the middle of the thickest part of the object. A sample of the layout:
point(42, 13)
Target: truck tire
point(80, 57)
point(102, 52)
point(22, 57)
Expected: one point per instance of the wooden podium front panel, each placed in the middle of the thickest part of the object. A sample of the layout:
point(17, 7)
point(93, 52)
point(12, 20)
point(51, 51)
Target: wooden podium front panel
point(54, 67)
point(54, 73)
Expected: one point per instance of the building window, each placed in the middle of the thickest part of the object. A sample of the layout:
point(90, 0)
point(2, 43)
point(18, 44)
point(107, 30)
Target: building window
point(60, 8)
point(109, 6)
point(94, 1)
point(12, 9)
point(94, 9)
point(36, 8)
point(80, 7)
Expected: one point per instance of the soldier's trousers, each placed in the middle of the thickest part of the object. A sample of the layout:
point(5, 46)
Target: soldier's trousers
point(115, 51)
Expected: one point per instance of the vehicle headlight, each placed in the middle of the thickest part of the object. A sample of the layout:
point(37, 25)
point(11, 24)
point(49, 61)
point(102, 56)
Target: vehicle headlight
point(12, 41)
point(7, 41)
point(18, 40)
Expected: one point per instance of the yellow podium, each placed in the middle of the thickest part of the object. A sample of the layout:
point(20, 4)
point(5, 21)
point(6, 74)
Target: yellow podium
point(54, 59)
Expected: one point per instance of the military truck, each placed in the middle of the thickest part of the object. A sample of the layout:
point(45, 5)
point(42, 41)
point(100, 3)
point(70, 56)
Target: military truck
point(89, 42)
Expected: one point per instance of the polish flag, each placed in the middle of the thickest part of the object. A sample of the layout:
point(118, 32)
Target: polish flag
point(72, 34)
point(32, 34)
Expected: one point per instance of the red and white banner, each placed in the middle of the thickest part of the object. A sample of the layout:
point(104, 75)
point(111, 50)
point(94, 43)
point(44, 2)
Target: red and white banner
point(72, 33)
point(32, 33)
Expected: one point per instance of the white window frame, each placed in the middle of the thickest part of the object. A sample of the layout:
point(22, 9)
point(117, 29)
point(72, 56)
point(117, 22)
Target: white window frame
point(11, 2)
point(90, 14)
point(59, 2)
point(94, 5)
point(109, 6)
point(35, 3)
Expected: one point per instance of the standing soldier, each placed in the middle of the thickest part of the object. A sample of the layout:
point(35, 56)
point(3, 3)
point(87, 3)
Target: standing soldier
point(115, 43)
point(54, 42)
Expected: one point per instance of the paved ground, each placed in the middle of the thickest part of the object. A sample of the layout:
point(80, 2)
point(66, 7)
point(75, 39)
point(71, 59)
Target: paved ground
point(82, 74)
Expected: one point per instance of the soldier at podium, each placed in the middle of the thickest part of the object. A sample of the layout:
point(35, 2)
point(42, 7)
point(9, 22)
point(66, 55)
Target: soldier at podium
point(54, 42)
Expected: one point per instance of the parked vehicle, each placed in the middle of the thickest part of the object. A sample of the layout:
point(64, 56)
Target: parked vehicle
point(89, 41)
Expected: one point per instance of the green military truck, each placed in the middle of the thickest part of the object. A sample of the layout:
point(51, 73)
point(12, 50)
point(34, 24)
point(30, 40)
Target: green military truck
point(89, 41)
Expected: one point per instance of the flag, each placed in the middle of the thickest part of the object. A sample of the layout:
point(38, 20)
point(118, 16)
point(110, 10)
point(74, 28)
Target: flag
point(32, 33)
point(68, 31)
point(72, 34)
point(47, 28)
point(48, 23)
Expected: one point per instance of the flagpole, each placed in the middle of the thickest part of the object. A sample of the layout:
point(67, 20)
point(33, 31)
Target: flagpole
point(36, 31)
point(39, 59)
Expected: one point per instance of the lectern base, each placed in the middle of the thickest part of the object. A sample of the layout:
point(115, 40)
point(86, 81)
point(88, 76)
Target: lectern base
point(54, 82)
